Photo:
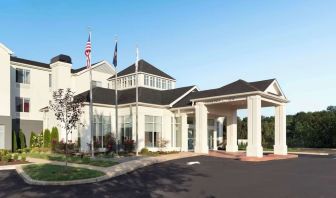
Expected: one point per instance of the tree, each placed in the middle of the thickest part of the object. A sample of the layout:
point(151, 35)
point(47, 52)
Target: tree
point(15, 145)
point(46, 138)
point(22, 139)
point(54, 138)
point(68, 111)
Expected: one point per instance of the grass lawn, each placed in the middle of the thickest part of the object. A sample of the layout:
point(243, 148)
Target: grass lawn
point(74, 159)
point(49, 172)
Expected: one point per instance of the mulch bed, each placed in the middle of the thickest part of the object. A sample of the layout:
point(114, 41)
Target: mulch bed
point(13, 162)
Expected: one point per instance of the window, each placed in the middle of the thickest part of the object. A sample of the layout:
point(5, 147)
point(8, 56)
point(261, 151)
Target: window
point(50, 80)
point(211, 122)
point(125, 128)
point(130, 82)
point(146, 80)
point(152, 130)
point(124, 82)
point(96, 83)
point(23, 76)
point(176, 132)
point(151, 81)
point(22, 104)
point(164, 84)
point(133, 80)
point(169, 85)
point(158, 83)
point(101, 128)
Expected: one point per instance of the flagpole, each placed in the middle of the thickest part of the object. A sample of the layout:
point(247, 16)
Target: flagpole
point(91, 105)
point(116, 104)
point(137, 100)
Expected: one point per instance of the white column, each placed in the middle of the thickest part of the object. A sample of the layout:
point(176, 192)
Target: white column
point(215, 140)
point(201, 128)
point(184, 132)
point(220, 121)
point(231, 132)
point(254, 148)
point(280, 146)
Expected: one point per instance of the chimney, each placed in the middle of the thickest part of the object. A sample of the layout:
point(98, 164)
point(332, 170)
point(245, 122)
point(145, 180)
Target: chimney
point(61, 72)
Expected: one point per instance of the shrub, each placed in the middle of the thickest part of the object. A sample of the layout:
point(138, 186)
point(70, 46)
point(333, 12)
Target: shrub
point(163, 143)
point(110, 143)
point(144, 151)
point(7, 157)
point(15, 156)
point(46, 138)
point(242, 146)
point(33, 139)
point(128, 145)
point(14, 142)
point(22, 139)
point(54, 139)
point(23, 156)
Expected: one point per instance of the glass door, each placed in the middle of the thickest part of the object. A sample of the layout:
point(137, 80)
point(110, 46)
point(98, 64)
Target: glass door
point(2, 137)
point(191, 139)
point(210, 138)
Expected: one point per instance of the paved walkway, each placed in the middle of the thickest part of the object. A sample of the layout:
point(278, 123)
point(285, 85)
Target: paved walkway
point(110, 172)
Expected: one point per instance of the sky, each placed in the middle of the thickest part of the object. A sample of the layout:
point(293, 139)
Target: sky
point(206, 43)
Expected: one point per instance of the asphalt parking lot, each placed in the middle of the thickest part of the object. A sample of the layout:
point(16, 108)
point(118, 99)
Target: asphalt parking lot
point(307, 176)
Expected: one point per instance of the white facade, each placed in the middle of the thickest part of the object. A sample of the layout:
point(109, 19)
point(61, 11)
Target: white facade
point(187, 118)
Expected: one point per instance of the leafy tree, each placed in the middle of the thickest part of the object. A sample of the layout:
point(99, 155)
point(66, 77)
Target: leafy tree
point(22, 140)
point(14, 142)
point(46, 138)
point(68, 111)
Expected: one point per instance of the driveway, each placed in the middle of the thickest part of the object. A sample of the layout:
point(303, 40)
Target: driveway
point(215, 177)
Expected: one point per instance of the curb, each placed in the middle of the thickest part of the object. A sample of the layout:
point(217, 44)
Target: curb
point(302, 153)
point(110, 172)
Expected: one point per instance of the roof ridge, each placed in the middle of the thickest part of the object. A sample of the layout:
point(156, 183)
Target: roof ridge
point(248, 84)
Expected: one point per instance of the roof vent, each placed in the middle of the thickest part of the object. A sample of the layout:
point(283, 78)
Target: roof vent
point(61, 58)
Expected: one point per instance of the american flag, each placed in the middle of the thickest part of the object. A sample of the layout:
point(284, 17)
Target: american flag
point(88, 52)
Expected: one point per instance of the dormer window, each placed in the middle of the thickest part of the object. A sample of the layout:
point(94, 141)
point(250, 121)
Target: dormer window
point(158, 83)
point(164, 84)
point(146, 80)
point(169, 85)
point(151, 80)
point(130, 82)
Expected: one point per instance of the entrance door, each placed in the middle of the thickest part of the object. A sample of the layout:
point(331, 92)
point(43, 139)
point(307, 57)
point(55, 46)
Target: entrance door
point(2, 137)
point(191, 139)
point(210, 139)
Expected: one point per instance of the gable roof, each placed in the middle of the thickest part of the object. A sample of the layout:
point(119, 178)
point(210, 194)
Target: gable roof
point(146, 95)
point(145, 67)
point(263, 84)
point(239, 86)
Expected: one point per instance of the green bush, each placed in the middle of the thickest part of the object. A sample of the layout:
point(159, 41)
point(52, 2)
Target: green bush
point(144, 151)
point(7, 157)
point(23, 156)
point(54, 138)
point(46, 138)
point(15, 156)
point(242, 146)
point(33, 139)
point(14, 142)
point(22, 139)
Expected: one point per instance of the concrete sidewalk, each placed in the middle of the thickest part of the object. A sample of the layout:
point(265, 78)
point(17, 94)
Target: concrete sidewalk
point(110, 172)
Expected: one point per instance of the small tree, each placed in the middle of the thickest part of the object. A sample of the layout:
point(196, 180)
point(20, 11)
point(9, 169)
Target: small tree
point(68, 111)
point(33, 138)
point(14, 142)
point(46, 138)
point(163, 143)
point(22, 139)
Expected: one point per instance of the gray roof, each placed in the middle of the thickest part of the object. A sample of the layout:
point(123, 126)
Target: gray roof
point(146, 95)
point(145, 67)
point(63, 58)
point(239, 86)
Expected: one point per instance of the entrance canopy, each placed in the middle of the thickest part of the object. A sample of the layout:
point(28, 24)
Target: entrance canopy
point(226, 100)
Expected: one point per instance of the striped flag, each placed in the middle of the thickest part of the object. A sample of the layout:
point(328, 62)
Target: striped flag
point(88, 52)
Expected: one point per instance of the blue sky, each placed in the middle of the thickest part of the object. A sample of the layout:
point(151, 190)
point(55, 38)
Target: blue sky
point(206, 43)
